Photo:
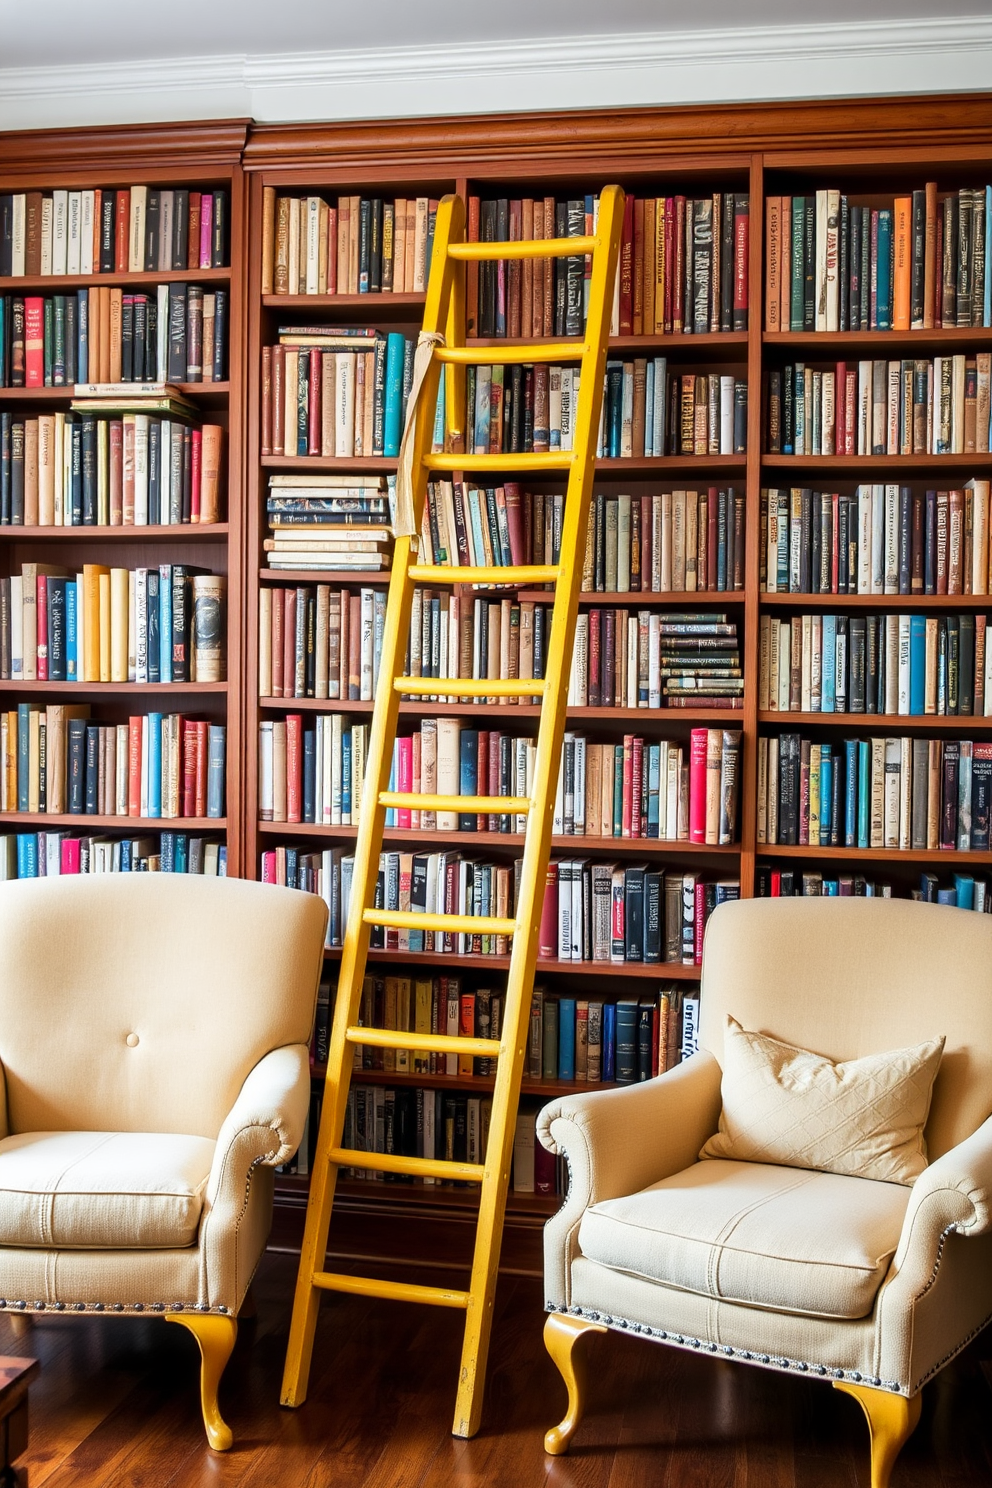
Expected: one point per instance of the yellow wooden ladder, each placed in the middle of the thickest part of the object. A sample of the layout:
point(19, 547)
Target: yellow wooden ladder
point(445, 309)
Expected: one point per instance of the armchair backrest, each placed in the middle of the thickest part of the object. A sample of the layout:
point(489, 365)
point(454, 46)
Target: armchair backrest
point(140, 1002)
point(848, 977)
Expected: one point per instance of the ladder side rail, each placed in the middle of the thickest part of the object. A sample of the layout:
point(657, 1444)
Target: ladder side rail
point(537, 848)
point(449, 224)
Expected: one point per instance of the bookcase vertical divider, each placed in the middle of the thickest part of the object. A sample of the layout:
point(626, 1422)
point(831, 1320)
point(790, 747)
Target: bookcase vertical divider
point(755, 326)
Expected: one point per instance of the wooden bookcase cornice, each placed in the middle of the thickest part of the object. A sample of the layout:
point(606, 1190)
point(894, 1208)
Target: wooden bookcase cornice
point(181, 146)
point(945, 121)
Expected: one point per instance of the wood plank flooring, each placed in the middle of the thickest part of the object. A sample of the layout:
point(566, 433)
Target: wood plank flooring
point(116, 1404)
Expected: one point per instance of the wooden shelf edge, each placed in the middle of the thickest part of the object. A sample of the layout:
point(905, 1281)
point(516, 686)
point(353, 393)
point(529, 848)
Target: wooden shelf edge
point(665, 971)
point(40, 820)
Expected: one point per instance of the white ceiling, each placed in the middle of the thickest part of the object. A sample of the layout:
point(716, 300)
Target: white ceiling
point(78, 62)
point(58, 32)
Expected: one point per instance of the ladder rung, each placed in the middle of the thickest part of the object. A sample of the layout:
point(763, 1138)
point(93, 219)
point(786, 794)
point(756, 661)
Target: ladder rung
point(531, 573)
point(470, 687)
point(528, 248)
point(391, 1291)
point(402, 919)
point(512, 355)
point(549, 460)
point(432, 1043)
point(495, 805)
point(410, 1167)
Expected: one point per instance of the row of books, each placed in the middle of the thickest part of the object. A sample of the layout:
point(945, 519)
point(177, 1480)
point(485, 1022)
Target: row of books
point(164, 624)
point(963, 892)
point(355, 245)
point(123, 230)
point(907, 407)
point(668, 911)
point(912, 794)
point(682, 268)
point(329, 522)
point(637, 788)
point(172, 333)
point(57, 760)
point(50, 854)
point(340, 392)
point(878, 539)
point(84, 469)
point(666, 540)
point(655, 659)
point(647, 411)
point(923, 263)
point(911, 665)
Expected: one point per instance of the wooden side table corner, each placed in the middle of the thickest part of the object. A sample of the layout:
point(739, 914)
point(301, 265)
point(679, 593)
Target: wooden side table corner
point(15, 1377)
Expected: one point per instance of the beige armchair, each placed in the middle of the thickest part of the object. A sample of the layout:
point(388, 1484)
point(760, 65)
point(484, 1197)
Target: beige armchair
point(871, 1286)
point(155, 1069)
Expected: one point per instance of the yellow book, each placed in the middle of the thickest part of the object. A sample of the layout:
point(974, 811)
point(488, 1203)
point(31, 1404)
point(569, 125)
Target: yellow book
point(34, 760)
point(92, 648)
point(105, 625)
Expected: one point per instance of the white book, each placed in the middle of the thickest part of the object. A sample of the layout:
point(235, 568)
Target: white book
point(891, 789)
point(132, 626)
point(47, 230)
point(60, 231)
point(771, 826)
point(312, 257)
point(726, 415)
point(367, 636)
point(141, 470)
point(864, 408)
point(344, 422)
point(166, 214)
point(19, 227)
point(878, 539)
point(576, 940)
point(121, 783)
point(141, 625)
point(980, 529)
point(88, 203)
point(891, 662)
point(335, 751)
point(820, 261)
point(832, 260)
point(74, 232)
point(864, 539)
point(958, 364)
point(891, 539)
point(568, 377)
point(295, 207)
point(964, 797)
point(903, 693)
point(265, 802)
point(906, 793)
point(318, 755)
point(136, 230)
point(162, 334)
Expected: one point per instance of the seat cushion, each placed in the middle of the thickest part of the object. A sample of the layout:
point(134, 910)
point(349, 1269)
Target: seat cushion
point(102, 1190)
point(752, 1233)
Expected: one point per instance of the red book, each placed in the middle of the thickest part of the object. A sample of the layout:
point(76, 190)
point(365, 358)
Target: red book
point(834, 541)
point(697, 785)
point(638, 821)
point(404, 778)
point(514, 522)
point(34, 341)
point(594, 657)
point(851, 414)
point(492, 746)
point(678, 266)
point(646, 549)
point(134, 767)
point(206, 229)
point(740, 262)
point(195, 472)
point(472, 271)
point(69, 855)
point(466, 1027)
point(42, 626)
point(482, 822)
point(116, 446)
point(669, 262)
point(545, 1169)
point(122, 225)
point(193, 236)
point(776, 883)
point(547, 941)
point(840, 408)
point(278, 596)
point(189, 774)
point(268, 867)
point(200, 799)
point(627, 269)
point(294, 767)
point(628, 786)
point(314, 402)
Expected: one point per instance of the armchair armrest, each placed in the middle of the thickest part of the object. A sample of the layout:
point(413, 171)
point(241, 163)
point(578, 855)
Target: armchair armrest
point(266, 1122)
point(620, 1141)
point(4, 1123)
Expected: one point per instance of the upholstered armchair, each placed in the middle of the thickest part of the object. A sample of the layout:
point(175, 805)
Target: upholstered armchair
point(155, 1069)
point(871, 1286)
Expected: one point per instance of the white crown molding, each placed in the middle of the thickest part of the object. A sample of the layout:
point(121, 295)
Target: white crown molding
point(766, 62)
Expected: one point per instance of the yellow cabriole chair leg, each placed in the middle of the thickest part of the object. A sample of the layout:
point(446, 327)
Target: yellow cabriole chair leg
point(216, 1336)
point(561, 1334)
point(892, 1419)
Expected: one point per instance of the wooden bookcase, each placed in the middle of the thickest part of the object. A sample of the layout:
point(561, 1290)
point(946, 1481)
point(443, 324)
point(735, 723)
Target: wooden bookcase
point(195, 156)
point(861, 146)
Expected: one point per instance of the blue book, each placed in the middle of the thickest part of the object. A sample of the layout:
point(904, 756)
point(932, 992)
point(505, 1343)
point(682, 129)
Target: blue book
point(475, 519)
point(23, 753)
point(654, 788)
point(310, 775)
point(964, 888)
point(73, 661)
point(181, 850)
point(393, 428)
point(863, 777)
point(347, 805)
point(154, 764)
point(439, 411)
point(216, 759)
point(27, 855)
point(566, 1038)
point(154, 626)
point(828, 671)
point(391, 818)
point(222, 860)
point(917, 662)
point(165, 622)
point(126, 855)
point(628, 1013)
point(826, 794)
point(884, 295)
point(609, 1041)
point(928, 888)
point(468, 779)
point(614, 409)
point(82, 335)
point(830, 888)
point(948, 896)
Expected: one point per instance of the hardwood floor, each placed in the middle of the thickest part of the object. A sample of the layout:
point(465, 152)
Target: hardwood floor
point(116, 1404)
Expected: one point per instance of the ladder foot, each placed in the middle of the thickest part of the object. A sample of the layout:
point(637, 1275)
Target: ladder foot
point(561, 1334)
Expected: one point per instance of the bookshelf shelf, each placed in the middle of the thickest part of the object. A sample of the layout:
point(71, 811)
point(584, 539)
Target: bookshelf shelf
point(879, 854)
point(602, 846)
point(880, 343)
point(370, 307)
point(218, 532)
point(708, 345)
point(120, 823)
point(961, 723)
point(210, 394)
point(480, 711)
point(480, 1084)
point(700, 467)
point(904, 602)
point(53, 283)
point(360, 464)
point(657, 970)
point(860, 465)
point(135, 690)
